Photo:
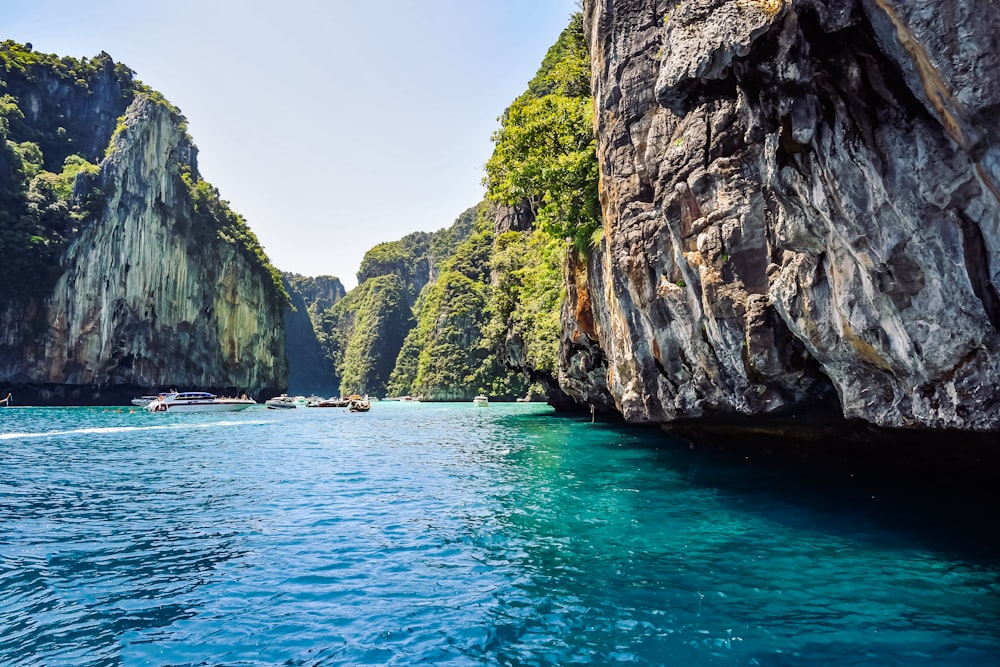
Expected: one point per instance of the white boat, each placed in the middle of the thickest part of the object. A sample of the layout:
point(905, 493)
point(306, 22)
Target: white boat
point(198, 401)
point(283, 402)
point(481, 401)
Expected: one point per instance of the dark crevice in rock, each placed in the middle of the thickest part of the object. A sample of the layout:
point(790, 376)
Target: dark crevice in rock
point(707, 158)
point(869, 83)
point(977, 266)
point(659, 366)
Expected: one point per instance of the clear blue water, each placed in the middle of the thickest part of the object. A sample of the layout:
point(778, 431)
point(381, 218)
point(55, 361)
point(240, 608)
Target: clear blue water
point(450, 535)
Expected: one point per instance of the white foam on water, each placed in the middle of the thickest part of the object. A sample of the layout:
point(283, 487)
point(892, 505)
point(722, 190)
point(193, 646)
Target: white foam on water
point(128, 429)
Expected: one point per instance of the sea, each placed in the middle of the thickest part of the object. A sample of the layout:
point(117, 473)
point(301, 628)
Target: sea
point(445, 534)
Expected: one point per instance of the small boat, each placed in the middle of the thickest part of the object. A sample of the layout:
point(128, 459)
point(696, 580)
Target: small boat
point(198, 401)
point(359, 405)
point(283, 402)
point(481, 401)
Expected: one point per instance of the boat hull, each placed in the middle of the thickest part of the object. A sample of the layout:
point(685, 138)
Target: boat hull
point(281, 404)
point(205, 407)
point(199, 401)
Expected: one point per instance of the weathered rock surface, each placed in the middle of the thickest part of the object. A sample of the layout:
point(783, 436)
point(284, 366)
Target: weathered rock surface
point(799, 198)
point(146, 298)
point(310, 371)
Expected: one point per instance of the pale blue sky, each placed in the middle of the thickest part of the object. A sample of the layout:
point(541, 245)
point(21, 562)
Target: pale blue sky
point(330, 125)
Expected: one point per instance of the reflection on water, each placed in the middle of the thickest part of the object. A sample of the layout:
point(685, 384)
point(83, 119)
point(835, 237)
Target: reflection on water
point(442, 534)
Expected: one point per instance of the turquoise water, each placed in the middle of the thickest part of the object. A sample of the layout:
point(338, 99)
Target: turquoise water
point(450, 535)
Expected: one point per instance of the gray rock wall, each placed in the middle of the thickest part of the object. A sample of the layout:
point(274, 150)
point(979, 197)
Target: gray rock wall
point(800, 198)
point(145, 299)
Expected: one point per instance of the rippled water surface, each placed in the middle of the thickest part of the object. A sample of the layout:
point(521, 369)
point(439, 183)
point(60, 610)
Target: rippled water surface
point(450, 535)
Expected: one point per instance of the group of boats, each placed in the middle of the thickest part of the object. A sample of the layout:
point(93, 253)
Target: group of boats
point(352, 403)
point(203, 401)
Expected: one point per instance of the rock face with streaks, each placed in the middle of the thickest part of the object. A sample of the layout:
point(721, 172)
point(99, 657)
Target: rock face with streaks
point(147, 294)
point(310, 372)
point(801, 202)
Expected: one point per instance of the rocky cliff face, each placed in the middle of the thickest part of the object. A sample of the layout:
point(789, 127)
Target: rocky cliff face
point(310, 371)
point(147, 297)
point(801, 200)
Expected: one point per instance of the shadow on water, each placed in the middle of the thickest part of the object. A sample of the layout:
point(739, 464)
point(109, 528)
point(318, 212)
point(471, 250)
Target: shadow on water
point(938, 486)
point(732, 546)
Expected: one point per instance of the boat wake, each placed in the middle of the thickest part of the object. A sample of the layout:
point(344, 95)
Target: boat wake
point(130, 429)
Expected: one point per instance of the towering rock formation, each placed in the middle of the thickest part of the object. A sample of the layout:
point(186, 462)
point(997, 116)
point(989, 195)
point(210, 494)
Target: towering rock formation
point(160, 285)
point(801, 199)
point(310, 371)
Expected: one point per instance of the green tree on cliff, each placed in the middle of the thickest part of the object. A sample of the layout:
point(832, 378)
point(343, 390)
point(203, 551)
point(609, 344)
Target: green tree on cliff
point(544, 158)
point(545, 151)
point(448, 355)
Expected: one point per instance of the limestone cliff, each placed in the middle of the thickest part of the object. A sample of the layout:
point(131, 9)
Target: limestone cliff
point(310, 370)
point(801, 200)
point(161, 286)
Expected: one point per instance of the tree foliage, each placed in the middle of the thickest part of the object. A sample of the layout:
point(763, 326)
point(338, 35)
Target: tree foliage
point(527, 268)
point(212, 216)
point(389, 271)
point(448, 354)
point(545, 152)
point(40, 211)
point(372, 318)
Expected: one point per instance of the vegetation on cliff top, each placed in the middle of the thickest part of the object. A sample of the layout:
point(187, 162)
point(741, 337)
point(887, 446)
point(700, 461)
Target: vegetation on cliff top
point(40, 210)
point(545, 152)
point(213, 214)
point(49, 184)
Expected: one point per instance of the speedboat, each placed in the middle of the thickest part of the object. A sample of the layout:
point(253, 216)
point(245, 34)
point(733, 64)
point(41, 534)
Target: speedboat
point(283, 402)
point(481, 401)
point(198, 401)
